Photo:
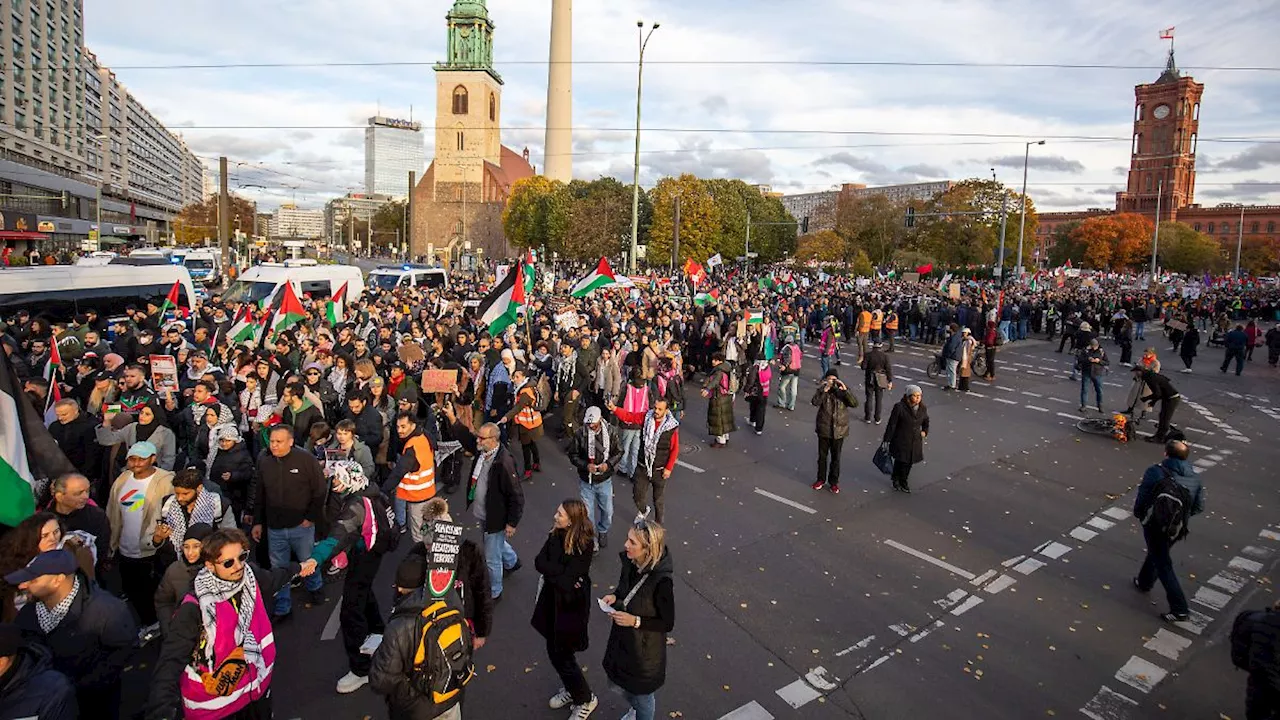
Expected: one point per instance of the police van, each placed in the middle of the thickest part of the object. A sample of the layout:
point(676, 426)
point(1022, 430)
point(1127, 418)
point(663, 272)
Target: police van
point(204, 265)
point(392, 277)
point(265, 281)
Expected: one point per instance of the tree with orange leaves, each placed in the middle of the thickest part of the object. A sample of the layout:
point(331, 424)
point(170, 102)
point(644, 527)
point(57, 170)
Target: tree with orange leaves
point(1114, 241)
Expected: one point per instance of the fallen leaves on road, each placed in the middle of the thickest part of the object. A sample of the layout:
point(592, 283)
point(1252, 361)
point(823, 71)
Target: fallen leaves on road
point(490, 668)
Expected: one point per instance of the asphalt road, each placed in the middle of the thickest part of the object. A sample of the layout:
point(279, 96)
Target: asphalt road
point(999, 589)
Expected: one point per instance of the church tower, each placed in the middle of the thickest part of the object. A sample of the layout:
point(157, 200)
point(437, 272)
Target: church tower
point(1166, 122)
point(468, 98)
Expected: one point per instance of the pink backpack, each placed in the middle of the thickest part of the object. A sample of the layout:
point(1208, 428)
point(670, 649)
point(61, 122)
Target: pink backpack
point(793, 361)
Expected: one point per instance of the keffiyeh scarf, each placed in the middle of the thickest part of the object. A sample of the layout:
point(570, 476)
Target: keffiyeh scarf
point(205, 510)
point(652, 434)
point(604, 443)
point(211, 590)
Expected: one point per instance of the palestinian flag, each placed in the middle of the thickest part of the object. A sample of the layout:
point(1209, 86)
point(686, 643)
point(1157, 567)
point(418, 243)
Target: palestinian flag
point(754, 317)
point(336, 308)
point(289, 312)
point(530, 273)
point(27, 450)
point(52, 369)
point(498, 309)
point(172, 302)
point(694, 271)
point(766, 283)
point(243, 328)
point(602, 277)
point(704, 299)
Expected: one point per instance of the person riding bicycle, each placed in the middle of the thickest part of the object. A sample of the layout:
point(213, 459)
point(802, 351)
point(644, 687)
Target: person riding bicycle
point(1162, 391)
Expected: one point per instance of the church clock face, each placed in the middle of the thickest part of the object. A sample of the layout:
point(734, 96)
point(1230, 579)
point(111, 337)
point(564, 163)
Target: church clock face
point(1161, 112)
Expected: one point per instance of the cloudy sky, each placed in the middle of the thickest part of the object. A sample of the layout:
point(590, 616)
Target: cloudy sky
point(798, 95)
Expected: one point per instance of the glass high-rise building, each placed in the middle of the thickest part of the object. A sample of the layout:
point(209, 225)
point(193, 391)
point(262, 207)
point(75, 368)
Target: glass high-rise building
point(392, 148)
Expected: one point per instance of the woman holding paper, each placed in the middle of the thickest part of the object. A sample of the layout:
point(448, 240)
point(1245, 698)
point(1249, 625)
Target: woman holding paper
point(636, 657)
point(563, 604)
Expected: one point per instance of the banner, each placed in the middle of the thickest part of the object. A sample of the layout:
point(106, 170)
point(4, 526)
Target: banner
point(911, 277)
point(953, 291)
point(439, 381)
point(164, 374)
point(442, 563)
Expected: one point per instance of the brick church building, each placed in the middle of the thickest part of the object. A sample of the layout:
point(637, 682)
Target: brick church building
point(457, 205)
point(1162, 172)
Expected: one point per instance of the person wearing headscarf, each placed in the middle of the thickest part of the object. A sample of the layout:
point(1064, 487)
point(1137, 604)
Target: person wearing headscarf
point(231, 467)
point(150, 424)
point(364, 516)
point(905, 433)
point(177, 578)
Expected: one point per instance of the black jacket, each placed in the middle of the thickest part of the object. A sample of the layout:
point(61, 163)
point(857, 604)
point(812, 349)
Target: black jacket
point(393, 662)
point(80, 444)
point(33, 689)
point(1161, 388)
point(174, 586)
point(580, 459)
point(93, 520)
point(503, 498)
point(1255, 640)
point(185, 630)
point(903, 432)
point(368, 427)
point(636, 659)
point(471, 583)
point(876, 360)
point(239, 464)
point(833, 405)
point(302, 420)
point(563, 607)
point(289, 490)
point(92, 643)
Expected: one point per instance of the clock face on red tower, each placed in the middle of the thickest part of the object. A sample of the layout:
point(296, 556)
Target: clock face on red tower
point(1161, 112)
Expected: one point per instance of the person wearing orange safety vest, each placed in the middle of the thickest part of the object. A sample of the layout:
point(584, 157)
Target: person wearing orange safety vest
point(877, 324)
point(414, 474)
point(864, 332)
point(526, 416)
point(890, 327)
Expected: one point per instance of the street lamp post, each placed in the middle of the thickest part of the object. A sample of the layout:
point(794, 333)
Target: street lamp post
point(1022, 221)
point(635, 194)
point(102, 171)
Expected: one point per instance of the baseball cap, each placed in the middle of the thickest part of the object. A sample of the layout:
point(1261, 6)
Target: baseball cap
point(142, 449)
point(53, 562)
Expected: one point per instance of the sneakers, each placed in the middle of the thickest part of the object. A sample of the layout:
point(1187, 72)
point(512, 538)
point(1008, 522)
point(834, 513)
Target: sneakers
point(148, 633)
point(642, 516)
point(512, 570)
point(316, 598)
point(1185, 370)
point(351, 682)
point(560, 699)
point(528, 475)
point(583, 711)
point(835, 489)
point(819, 484)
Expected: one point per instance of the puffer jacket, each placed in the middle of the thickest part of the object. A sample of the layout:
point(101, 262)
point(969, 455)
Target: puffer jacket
point(833, 412)
point(636, 658)
point(239, 464)
point(720, 419)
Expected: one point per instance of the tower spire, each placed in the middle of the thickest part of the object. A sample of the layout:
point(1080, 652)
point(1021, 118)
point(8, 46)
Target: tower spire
point(1170, 73)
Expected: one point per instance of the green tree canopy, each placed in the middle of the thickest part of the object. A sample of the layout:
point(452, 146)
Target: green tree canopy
point(537, 213)
point(198, 222)
point(700, 226)
point(956, 238)
point(1183, 250)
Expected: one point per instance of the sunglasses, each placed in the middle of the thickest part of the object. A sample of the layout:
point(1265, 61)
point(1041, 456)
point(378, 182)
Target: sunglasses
point(242, 558)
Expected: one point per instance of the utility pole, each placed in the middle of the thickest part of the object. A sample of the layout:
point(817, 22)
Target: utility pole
point(635, 192)
point(1022, 221)
point(1155, 239)
point(224, 213)
point(408, 216)
point(1239, 242)
point(1004, 215)
point(675, 239)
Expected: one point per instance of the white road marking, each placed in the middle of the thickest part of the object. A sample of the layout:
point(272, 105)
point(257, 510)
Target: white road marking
point(1116, 513)
point(1055, 550)
point(1006, 402)
point(902, 629)
point(1000, 584)
point(821, 680)
point(1032, 394)
point(1211, 598)
point(1083, 534)
point(1167, 644)
point(1028, 566)
point(1035, 372)
point(1060, 400)
point(976, 394)
point(951, 599)
point(1229, 582)
point(785, 501)
point(1070, 416)
point(1099, 524)
point(331, 626)
point(1269, 534)
point(930, 559)
point(751, 711)
point(1239, 563)
point(970, 603)
point(925, 633)
point(798, 693)
point(1257, 552)
point(687, 466)
point(1141, 674)
point(856, 646)
point(1108, 705)
point(1196, 624)
point(1036, 407)
point(1013, 560)
point(978, 581)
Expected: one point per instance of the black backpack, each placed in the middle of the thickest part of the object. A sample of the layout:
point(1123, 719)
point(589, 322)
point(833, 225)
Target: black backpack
point(1170, 507)
point(386, 531)
point(1241, 634)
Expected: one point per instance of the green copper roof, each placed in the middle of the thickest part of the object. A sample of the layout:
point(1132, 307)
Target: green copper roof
point(469, 9)
point(470, 43)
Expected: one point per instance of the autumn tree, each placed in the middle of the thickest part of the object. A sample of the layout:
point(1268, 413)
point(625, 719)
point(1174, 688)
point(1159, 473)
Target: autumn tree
point(198, 222)
point(1183, 250)
point(537, 213)
point(862, 266)
point(700, 226)
point(966, 228)
point(1114, 241)
point(823, 246)
point(873, 223)
point(1065, 247)
point(599, 219)
point(1259, 257)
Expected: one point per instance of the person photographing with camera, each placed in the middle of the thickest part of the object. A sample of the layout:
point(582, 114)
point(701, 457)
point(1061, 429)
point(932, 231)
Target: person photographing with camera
point(833, 401)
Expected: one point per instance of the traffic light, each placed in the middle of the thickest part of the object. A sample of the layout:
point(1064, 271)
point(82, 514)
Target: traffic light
point(804, 225)
point(911, 217)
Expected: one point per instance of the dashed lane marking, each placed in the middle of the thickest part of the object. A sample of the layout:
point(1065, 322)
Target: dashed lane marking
point(1108, 705)
point(1167, 644)
point(751, 711)
point(1036, 407)
point(930, 559)
point(1006, 402)
point(687, 466)
point(858, 645)
point(786, 501)
point(1141, 674)
point(331, 626)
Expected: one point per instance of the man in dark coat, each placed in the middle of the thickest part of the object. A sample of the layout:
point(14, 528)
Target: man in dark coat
point(876, 362)
point(74, 433)
point(1255, 648)
point(1235, 342)
point(1158, 563)
point(908, 427)
point(91, 635)
point(595, 452)
point(833, 401)
point(72, 506)
point(29, 686)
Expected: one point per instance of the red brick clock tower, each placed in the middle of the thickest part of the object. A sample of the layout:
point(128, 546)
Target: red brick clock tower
point(1166, 121)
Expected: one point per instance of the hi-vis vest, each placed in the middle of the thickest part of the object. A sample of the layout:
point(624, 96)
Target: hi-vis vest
point(864, 321)
point(877, 319)
point(891, 321)
point(419, 486)
point(529, 418)
point(230, 684)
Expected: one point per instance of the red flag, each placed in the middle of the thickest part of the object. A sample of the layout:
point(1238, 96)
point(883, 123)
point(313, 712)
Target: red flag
point(925, 269)
point(694, 271)
point(1166, 34)
point(51, 370)
point(133, 212)
point(172, 302)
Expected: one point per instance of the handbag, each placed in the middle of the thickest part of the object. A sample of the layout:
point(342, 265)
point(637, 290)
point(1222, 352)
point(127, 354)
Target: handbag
point(882, 379)
point(882, 459)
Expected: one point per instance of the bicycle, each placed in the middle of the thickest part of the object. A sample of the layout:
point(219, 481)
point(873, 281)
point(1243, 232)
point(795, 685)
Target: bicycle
point(1119, 426)
point(938, 365)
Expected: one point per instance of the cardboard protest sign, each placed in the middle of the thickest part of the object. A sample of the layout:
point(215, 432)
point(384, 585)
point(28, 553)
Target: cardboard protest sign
point(911, 277)
point(953, 291)
point(411, 352)
point(164, 374)
point(439, 381)
point(442, 561)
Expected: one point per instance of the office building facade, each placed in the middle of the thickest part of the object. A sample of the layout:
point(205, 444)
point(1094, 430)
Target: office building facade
point(291, 222)
point(392, 149)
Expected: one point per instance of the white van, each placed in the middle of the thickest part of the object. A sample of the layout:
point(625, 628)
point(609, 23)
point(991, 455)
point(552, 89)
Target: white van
point(60, 292)
point(391, 277)
point(307, 277)
point(204, 265)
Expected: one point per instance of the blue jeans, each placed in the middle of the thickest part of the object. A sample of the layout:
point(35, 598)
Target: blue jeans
point(284, 545)
point(953, 368)
point(825, 362)
point(1084, 387)
point(498, 555)
point(401, 508)
point(1138, 329)
point(1022, 328)
point(1004, 330)
point(599, 501)
point(801, 337)
point(646, 706)
point(788, 386)
point(630, 449)
point(1158, 565)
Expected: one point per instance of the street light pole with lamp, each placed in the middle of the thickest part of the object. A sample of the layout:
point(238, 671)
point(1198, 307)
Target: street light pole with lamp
point(635, 194)
point(1022, 221)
